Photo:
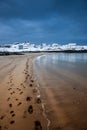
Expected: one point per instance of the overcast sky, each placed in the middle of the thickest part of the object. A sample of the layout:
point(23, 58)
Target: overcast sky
point(40, 21)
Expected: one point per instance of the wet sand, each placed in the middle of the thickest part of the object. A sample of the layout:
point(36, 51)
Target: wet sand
point(64, 92)
point(20, 106)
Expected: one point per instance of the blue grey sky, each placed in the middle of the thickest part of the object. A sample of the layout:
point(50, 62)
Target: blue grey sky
point(44, 21)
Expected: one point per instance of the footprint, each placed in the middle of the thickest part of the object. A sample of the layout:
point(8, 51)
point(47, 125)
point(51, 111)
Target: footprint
point(26, 77)
point(12, 85)
point(12, 122)
point(11, 81)
point(20, 93)
point(38, 100)
point(8, 98)
point(6, 127)
point(25, 114)
point(10, 105)
point(30, 109)
point(24, 81)
point(74, 88)
point(11, 93)
point(13, 115)
point(30, 85)
point(34, 90)
point(21, 84)
point(11, 112)
point(9, 88)
point(32, 80)
point(19, 104)
point(2, 117)
point(19, 89)
point(38, 125)
point(28, 99)
point(16, 99)
point(24, 87)
point(0, 127)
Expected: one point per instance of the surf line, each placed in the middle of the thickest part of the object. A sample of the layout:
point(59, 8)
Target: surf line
point(42, 103)
point(39, 95)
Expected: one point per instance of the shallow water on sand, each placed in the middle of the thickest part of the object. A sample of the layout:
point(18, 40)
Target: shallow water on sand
point(67, 66)
point(63, 80)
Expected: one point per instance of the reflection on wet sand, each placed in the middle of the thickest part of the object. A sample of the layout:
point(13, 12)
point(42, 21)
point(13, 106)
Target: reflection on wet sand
point(63, 86)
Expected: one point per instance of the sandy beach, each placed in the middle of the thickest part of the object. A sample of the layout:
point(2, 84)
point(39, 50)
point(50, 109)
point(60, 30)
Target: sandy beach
point(20, 104)
point(26, 106)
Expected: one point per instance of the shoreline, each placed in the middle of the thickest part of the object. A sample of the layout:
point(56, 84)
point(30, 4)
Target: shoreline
point(43, 104)
point(40, 52)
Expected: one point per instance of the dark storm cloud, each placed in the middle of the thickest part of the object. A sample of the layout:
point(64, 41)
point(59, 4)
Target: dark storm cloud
point(43, 20)
point(37, 9)
point(25, 9)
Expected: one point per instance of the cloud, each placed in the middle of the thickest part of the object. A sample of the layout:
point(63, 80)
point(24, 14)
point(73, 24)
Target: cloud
point(42, 20)
point(40, 9)
point(25, 9)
